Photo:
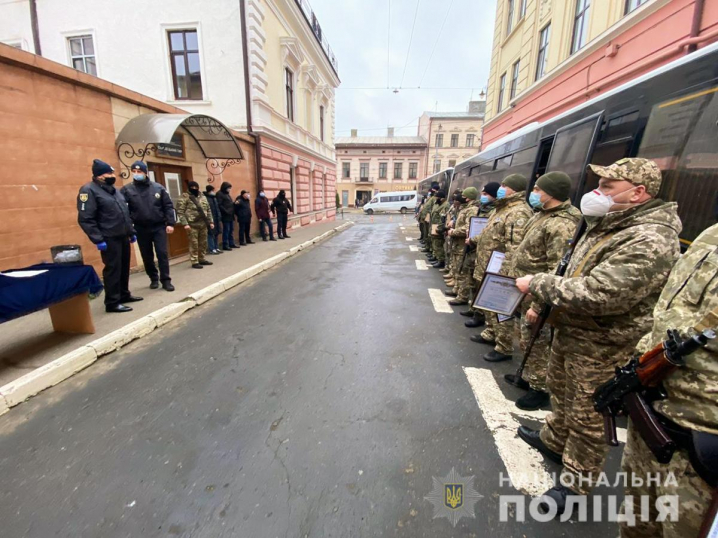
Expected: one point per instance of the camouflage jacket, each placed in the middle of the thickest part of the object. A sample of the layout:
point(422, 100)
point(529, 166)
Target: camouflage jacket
point(187, 212)
point(615, 274)
point(438, 212)
point(503, 232)
point(546, 239)
point(426, 208)
point(686, 304)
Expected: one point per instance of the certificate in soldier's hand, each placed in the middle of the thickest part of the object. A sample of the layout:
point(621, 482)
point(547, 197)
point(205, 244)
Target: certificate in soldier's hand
point(477, 225)
point(499, 294)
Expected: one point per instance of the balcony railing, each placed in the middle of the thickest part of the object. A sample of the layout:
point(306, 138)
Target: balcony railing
point(317, 30)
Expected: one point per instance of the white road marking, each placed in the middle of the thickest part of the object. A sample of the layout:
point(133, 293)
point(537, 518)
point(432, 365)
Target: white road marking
point(421, 265)
point(403, 227)
point(524, 465)
point(409, 238)
point(414, 248)
point(440, 302)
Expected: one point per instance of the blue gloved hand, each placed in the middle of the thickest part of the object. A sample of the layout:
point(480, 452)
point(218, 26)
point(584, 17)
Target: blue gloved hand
point(102, 246)
point(133, 238)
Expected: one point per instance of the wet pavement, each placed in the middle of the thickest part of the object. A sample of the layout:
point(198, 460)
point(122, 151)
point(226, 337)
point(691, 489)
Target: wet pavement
point(319, 399)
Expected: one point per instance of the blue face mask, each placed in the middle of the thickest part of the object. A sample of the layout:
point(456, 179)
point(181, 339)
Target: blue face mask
point(139, 177)
point(535, 200)
point(501, 193)
point(484, 199)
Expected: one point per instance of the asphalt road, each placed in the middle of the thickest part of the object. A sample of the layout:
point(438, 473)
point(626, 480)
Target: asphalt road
point(318, 400)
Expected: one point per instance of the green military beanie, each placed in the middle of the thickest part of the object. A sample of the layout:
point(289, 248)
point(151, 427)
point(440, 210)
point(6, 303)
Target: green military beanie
point(471, 193)
point(517, 182)
point(555, 184)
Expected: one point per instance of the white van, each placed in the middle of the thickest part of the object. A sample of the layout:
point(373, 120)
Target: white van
point(403, 201)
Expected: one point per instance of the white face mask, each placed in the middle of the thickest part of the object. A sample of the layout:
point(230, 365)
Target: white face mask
point(597, 204)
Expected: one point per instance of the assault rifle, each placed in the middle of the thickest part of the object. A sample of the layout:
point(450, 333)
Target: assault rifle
point(516, 379)
point(638, 382)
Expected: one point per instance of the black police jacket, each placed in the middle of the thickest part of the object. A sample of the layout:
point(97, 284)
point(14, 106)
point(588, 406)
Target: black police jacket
point(226, 206)
point(281, 205)
point(214, 207)
point(102, 212)
point(149, 204)
point(242, 209)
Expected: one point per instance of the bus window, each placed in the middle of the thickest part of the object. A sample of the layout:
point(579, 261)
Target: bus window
point(571, 149)
point(620, 127)
point(523, 162)
point(681, 137)
point(503, 163)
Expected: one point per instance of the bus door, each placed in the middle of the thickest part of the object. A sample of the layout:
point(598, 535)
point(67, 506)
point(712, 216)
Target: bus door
point(542, 156)
point(572, 149)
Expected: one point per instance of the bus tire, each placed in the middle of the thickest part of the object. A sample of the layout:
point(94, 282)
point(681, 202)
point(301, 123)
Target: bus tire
point(403, 211)
point(369, 211)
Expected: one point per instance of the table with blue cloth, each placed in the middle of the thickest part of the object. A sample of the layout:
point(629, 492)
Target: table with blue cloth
point(63, 289)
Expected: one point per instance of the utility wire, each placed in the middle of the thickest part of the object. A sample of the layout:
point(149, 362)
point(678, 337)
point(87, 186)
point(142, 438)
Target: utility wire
point(411, 37)
point(436, 43)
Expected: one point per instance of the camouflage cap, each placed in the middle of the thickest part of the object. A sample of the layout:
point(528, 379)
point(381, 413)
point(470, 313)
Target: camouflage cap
point(638, 171)
point(471, 193)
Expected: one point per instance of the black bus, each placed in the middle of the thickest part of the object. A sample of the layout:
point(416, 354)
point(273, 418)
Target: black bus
point(443, 178)
point(669, 115)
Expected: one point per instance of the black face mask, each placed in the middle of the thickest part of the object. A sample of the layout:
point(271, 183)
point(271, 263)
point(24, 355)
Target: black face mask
point(194, 192)
point(109, 180)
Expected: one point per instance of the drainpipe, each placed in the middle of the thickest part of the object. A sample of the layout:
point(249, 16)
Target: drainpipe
point(248, 100)
point(696, 23)
point(35, 27)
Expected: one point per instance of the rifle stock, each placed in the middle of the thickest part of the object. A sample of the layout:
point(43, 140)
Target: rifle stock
point(648, 427)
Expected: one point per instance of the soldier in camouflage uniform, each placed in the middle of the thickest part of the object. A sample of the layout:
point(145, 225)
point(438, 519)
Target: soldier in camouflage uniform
point(601, 308)
point(688, 303)
point(545, 241)
point(467, 284)
point(195, 223)
point(438, 212)
point(470, 208)
point(452, 260)
point(423, 214)
point(503, 233)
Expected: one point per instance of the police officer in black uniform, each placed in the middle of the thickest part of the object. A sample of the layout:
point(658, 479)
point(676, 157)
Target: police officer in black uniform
point(103, 215)
point(153, 215)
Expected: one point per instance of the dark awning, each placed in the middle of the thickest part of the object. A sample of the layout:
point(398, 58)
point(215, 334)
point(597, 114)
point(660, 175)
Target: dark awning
point(212, 136)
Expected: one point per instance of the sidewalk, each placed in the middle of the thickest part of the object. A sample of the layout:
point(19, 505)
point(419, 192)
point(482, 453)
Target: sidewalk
point(29, 342)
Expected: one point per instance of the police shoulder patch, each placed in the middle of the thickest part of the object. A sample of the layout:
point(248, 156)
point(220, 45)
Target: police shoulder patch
point(520, 222)
point(157, 195)
point(83, 197)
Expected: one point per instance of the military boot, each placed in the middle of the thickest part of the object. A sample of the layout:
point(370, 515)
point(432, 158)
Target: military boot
point(477, 321)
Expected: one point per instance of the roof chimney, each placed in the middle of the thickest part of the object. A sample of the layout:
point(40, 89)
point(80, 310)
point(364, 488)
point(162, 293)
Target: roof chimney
point(390, 132)
point(354, 133)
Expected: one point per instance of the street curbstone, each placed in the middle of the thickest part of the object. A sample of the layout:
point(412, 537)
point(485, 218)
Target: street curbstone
point(274, 260)
point(4, 408)
point(292, 251)
point(210, 292)
point(306, 244)
point(124, 335)
point(171, 312)
point(46, 376)
point(241, 276)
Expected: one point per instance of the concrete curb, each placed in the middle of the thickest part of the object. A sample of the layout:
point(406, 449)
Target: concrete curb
point(66, 366)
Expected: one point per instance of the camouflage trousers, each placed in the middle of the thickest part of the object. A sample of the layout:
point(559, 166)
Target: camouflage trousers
point(537, 364)
point(501, 333)
point(197, 242)
point(465, 279)
point(576, 369)
point(694, 495)
point(455, 269)
point(437, 247)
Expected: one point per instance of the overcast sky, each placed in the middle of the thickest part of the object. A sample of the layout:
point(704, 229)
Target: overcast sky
point(357, 31)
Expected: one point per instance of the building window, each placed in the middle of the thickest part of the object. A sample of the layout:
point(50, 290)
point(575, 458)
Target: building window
point(397, 170)
point(437, 165)
point(469, 141)
point(580, 24)
point(439, 140)
point(455, 140)
point(510, 19)
point(82, 54)
point(321, 123)
point(543, 52)
point(452, 163)
point(502, 90)
point(522, 9)
point(346, 170)
point(413, 168)
point(382, 170)
point(363, 170)
point(184, 56)
point(289, 89)
point(514, 79)
point(633, 4)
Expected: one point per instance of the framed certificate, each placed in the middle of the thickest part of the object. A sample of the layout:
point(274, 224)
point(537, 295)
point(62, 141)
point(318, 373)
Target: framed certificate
point(503, 318)
point(498, 294)
point(477, 225)
point(495, 262)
